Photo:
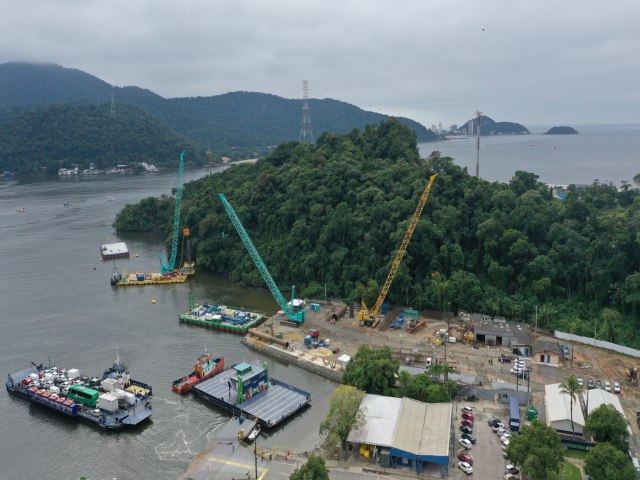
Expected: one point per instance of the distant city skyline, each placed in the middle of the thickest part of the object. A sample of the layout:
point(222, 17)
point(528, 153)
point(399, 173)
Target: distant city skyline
point(535, 63)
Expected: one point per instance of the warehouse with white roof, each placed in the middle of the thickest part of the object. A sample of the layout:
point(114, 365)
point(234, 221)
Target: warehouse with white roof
point(558, 411)
point(405, 432)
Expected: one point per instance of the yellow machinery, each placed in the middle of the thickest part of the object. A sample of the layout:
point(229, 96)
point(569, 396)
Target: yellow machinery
point(189, 267)
point(367, 317)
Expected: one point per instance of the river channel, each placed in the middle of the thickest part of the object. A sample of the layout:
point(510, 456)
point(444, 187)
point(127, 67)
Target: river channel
point(56, 303)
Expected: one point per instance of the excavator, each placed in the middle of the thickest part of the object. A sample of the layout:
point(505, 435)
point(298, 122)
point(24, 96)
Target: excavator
point(366, 316)
point(632, 374)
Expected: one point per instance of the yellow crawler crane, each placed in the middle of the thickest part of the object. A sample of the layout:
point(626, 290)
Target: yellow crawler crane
point(367, 317)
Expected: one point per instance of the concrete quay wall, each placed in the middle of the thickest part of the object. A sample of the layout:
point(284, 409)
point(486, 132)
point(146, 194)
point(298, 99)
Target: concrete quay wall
point(295, 357)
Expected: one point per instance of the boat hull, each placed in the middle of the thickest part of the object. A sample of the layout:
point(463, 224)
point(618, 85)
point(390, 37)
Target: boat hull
point(183, 385)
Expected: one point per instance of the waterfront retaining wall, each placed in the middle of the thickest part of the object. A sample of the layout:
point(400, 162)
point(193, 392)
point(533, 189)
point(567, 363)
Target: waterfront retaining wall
point(335, 375)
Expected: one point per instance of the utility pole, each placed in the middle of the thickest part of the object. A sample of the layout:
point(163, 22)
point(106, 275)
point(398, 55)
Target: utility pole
point(536, 329)
point(478, 121)
point(255, 451)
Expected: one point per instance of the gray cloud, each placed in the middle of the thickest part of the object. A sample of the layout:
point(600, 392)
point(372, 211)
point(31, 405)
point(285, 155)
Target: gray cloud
point(434, 61)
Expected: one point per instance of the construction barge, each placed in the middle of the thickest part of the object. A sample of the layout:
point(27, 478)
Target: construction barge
point(146, 278)
point(222, 317)
point(115, 402)
point(247, 391)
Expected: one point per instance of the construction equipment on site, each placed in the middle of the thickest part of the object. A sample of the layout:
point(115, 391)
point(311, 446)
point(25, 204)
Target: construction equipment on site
point(632, 374)
point(168, 266)
point(188, 267)
point(368, 317)
point(295, 318)
point(415, 325)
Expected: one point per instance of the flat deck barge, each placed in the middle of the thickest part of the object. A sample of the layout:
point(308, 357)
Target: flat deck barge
point(246, 390)
point(222, 317)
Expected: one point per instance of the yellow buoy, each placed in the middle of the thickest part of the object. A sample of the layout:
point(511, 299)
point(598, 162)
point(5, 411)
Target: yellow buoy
point(153, 301)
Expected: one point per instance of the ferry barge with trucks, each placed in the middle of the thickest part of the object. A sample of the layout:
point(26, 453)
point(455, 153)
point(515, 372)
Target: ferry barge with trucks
point(113, 402)
point(222, 317)
point(206, 366)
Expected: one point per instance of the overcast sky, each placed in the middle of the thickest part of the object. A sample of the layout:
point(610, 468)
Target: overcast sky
point(532, 62)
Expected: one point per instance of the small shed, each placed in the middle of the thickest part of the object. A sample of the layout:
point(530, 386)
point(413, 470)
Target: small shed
point(343, 359)
point(546, 353)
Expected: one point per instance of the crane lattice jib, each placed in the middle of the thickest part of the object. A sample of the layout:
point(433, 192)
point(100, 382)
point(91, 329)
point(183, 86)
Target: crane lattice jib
point(166, 267)
point(244, 236)
point(403, 247)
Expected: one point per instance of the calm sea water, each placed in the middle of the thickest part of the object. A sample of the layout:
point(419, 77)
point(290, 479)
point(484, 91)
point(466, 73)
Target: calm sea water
point(56, 301)
point(609, 153)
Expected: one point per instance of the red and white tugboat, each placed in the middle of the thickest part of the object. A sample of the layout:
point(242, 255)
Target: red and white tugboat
point(206, 366)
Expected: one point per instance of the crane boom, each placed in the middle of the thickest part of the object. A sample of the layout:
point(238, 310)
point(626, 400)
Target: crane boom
point(166, 267)
point(368, 315)
point(297, 317)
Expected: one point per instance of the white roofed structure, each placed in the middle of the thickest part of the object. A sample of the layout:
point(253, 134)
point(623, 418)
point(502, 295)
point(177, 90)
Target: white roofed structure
point(415, 432)
point(596, 397)
point(558, 411)
point(381, 415)
point(114, 250)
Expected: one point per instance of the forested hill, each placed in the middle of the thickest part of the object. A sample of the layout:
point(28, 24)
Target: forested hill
point(225, 122)
point(489, 126)
point(334, 212)
point(64, 135)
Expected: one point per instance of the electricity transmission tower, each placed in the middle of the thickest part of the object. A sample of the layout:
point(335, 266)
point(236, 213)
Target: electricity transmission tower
point(306, 135)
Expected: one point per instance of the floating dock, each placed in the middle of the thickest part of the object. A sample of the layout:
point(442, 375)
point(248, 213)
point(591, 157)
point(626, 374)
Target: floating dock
point(110, 251)
point(146, 278)
point(246, 390)
point(222, 317)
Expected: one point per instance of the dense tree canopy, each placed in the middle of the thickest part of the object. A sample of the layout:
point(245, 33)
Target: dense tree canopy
point(62, 136)
point(334, 212)
point(313, 469)
point(606, 424)
point(537, 450)
point(606, 462)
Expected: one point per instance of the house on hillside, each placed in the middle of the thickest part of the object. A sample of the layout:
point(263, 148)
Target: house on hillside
point(546, 353)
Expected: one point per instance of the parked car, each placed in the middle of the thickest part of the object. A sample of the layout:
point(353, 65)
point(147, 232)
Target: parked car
point(510, 476)
point(580, 381)
point(505, 436)
point(465, 467)
point(493, 421)
point(590, 384)
point(469, 437)
point(497, 426)
point(512, 469)
point(616, 387)
point(607, 386)
point(467, 423)
point(505, 443)
point(466, 408)
point(465, 443)
point(504, 358)
point(468, 416)
point(465, 429)
point(598, 384)
point(465, 457)
point(504, 454)
point(501, 431)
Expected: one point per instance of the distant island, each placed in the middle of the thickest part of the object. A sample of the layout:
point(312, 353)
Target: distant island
point(488, 126)
point(561, 131)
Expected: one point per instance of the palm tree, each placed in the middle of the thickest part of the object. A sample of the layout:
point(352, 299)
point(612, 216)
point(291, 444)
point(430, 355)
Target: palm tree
point(571, 387)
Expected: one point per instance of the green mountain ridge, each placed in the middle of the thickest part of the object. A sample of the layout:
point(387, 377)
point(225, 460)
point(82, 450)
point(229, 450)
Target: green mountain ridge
point(60, 136)
point(222, 122)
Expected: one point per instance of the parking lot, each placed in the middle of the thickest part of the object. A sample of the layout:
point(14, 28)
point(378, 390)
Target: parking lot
point(488, 462)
